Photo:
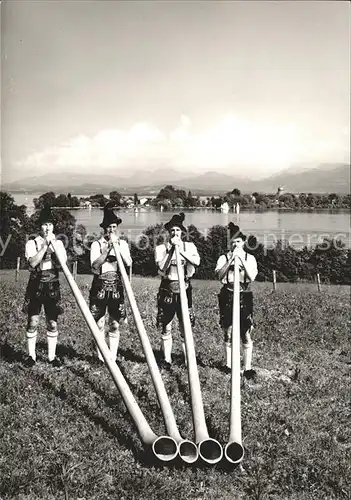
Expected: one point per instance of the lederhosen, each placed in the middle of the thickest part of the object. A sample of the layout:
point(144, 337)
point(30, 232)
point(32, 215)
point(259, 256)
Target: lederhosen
point(43, 289)
point(107, 293)
point(225, 300)
point(168, 300)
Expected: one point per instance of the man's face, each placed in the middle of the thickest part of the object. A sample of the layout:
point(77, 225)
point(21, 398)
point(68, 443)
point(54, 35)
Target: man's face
point(47, 228)
point(176, 231)
point(111, 229)
point(237, 243)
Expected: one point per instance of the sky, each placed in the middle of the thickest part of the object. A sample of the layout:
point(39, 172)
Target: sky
point(104, 86)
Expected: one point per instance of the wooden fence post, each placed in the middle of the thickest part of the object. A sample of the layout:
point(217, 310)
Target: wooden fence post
point(18, 268)
point(274, 281)
point(318, 282)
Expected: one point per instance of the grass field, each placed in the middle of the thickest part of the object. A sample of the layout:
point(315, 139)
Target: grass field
point(66, 434)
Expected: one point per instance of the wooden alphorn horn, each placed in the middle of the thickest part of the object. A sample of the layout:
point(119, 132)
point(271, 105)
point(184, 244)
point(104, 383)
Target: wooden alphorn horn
point(234, 451)
point(164, 447)
point(187, 449)
point(209, 449)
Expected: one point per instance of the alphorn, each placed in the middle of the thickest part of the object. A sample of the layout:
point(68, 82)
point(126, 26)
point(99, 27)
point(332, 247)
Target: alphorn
point(210, 450)
point(234, 451)
point(187, 449)
point(164, 447)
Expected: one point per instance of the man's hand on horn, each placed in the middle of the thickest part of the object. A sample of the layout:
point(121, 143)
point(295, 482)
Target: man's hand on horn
point(236, 254)
point(176, 241)
point(49, 237)
point(113, 239)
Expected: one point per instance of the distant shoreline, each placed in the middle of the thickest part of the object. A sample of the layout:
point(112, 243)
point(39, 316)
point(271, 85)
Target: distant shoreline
point(153, 195)
point(212, 209)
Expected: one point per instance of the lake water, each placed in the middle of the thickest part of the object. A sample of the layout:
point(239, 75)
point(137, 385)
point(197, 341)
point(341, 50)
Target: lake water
point(296, 228)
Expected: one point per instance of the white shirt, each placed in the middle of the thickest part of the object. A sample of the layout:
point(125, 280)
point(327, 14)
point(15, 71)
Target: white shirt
point(33, 247)
point(96, 250)
point(172, 274)
point(251, 264)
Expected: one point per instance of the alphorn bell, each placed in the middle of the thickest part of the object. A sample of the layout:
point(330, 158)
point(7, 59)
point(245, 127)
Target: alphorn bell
point(164, 447)
point(209, 449)
point(187, 449)
point(234, 451)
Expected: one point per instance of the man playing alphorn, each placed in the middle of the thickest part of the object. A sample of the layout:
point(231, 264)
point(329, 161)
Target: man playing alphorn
point(168, 297)
point(225, 273)
point(43, 287)
point(106, 291)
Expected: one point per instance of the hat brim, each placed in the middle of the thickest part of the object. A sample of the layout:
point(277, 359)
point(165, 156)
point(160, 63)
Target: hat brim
point(238, 235)
point(104, 226)
point(45, 220)
point(169, 226)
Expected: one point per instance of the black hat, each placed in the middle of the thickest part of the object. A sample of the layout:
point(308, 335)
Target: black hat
point(177, 220)
point(109, 216)
point(45, 215)
point(234, 231)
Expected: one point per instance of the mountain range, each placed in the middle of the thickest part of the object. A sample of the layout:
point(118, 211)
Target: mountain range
point(323, 178)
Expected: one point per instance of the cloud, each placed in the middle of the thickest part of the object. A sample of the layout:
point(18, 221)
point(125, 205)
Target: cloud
point(181, 133)
point(231, 142)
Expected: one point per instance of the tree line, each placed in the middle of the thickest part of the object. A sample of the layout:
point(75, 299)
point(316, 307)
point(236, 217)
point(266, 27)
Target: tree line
point(170, 197)
point(331, 259)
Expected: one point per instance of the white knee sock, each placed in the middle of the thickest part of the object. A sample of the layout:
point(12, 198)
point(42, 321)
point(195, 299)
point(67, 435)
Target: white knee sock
point(114, 342)
point(31, 342)
point(247, 355)
point(228, 354)
point(101, 325)
point(102, 337)
point(52, 341)
point(167, 348)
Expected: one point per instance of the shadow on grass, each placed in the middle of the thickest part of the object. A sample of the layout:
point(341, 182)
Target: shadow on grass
point(68, 352)
point(178, 359)
point(120, 433)
point(145, 455)
point(10, 354)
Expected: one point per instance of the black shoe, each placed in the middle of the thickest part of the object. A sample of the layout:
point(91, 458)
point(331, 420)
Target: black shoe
point(250, 374)
point(227, 370)
point(164, 365)
point(56, 363)
point(29, 361)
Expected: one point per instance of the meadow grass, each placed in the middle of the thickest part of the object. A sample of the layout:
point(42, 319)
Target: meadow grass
point(65, 432)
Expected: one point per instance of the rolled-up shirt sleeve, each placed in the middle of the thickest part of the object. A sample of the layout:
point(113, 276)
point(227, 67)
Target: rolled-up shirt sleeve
point(125, 253)
point(30, 249)
point(95, 252)
point(160, 254)
point(220, 263)
point(195, 257)
point(251, 264)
